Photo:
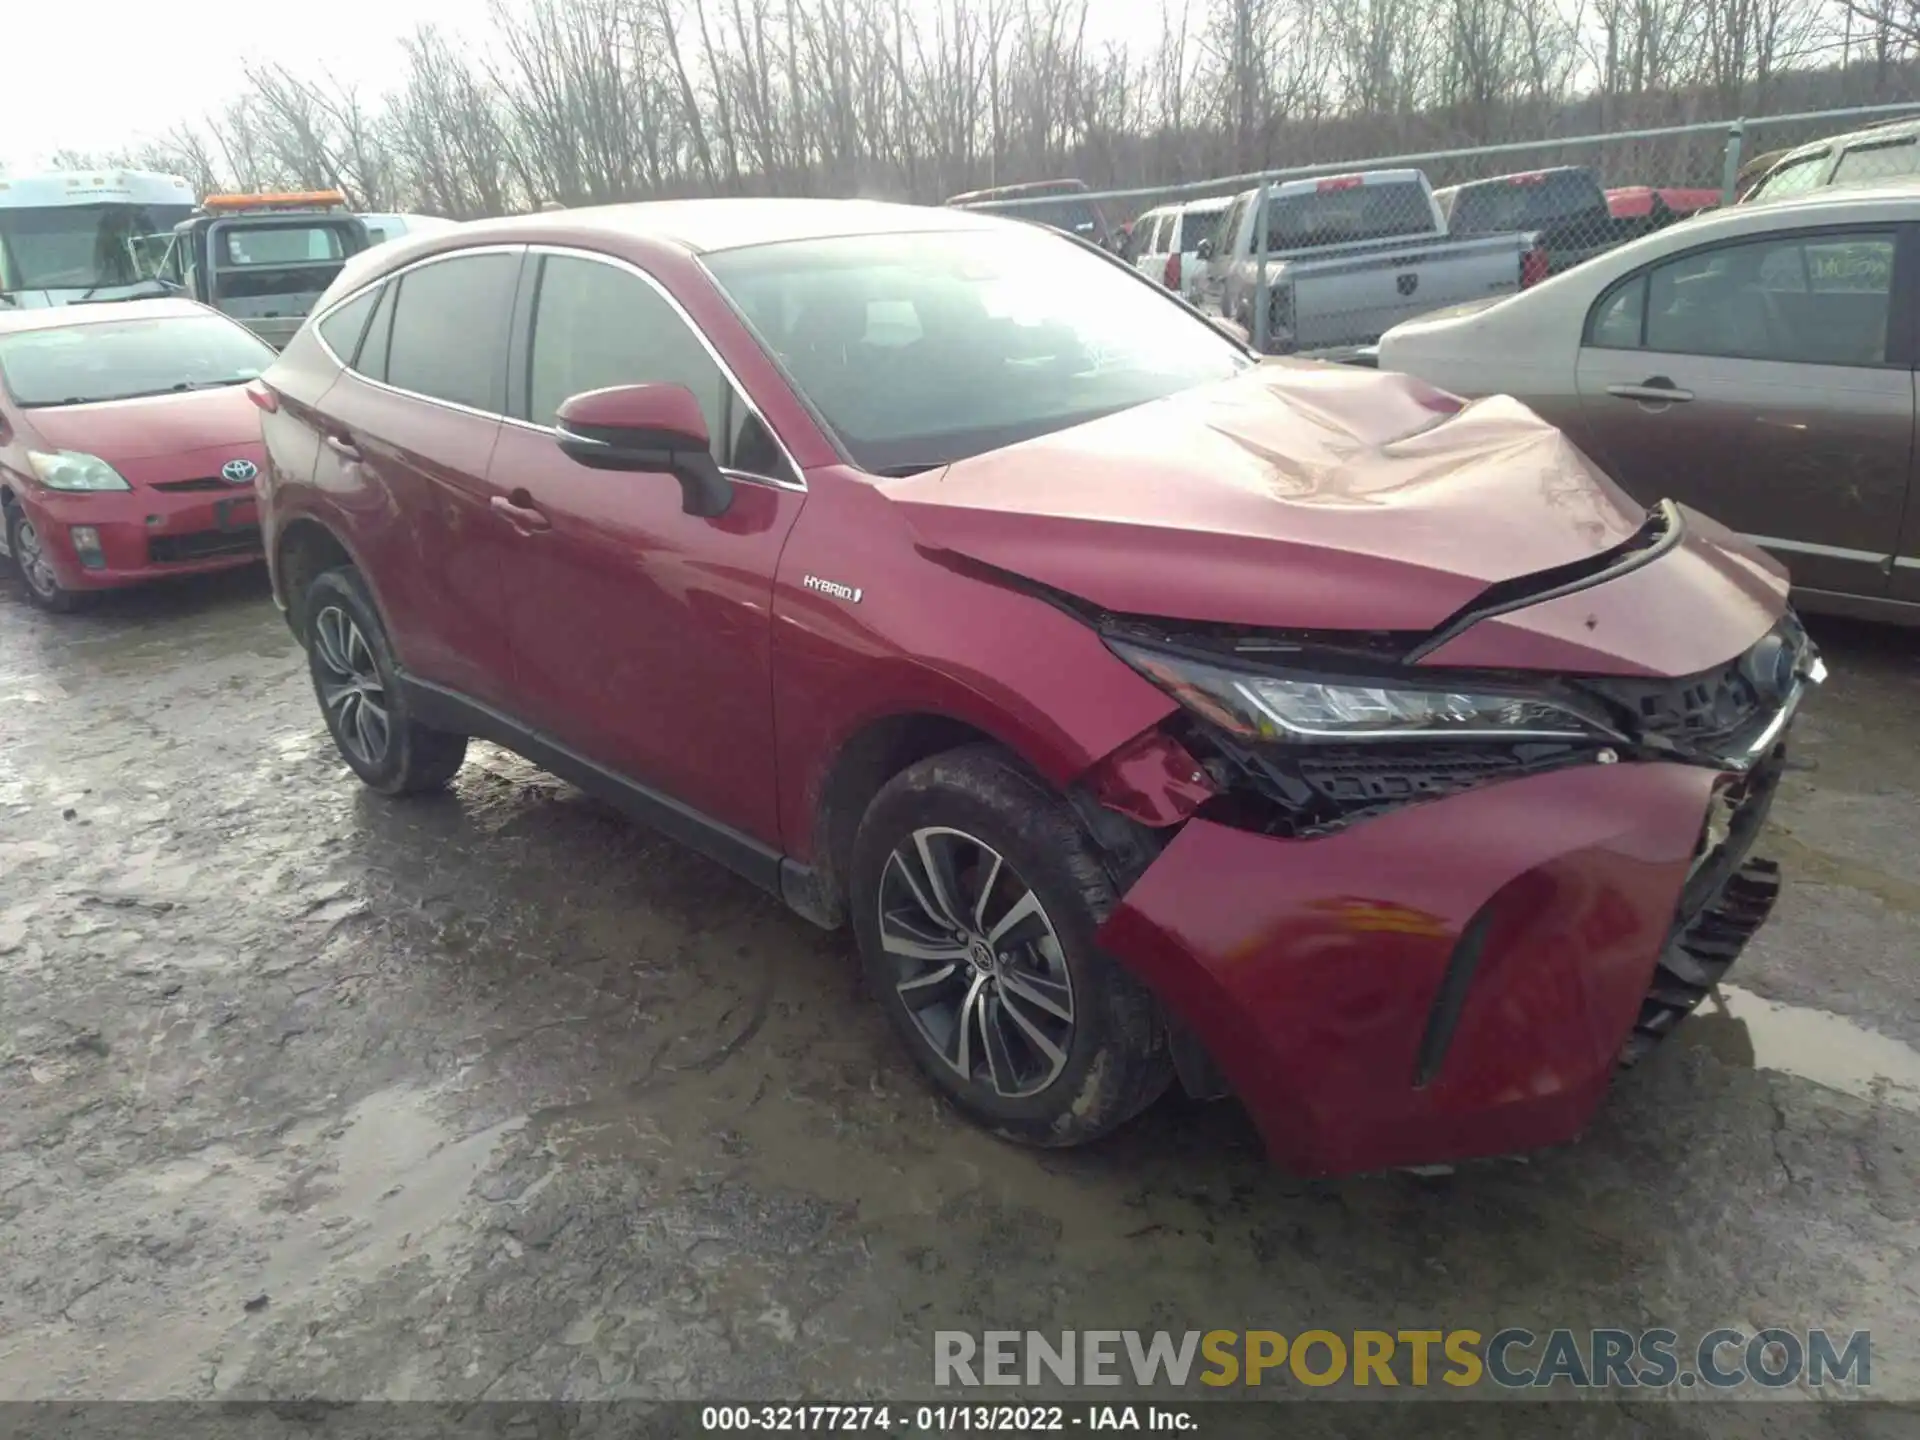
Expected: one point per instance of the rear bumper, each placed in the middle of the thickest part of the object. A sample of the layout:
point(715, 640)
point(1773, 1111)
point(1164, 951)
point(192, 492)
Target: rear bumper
point(146, 534)
point(1453, 979)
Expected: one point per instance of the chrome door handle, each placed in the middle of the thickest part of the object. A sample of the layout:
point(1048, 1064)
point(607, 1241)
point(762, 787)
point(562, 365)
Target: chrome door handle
point(343, 447)
point(1657, 391)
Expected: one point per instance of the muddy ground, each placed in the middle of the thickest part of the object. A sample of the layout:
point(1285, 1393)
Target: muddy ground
point(303, 1092)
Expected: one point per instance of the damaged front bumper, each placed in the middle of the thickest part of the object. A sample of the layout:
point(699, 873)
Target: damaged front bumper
point(1420, 964)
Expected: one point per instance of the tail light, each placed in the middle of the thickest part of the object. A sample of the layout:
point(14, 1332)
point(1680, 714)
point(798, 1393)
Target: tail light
point(1533, 267)
point(262, 396)
point(1170, 277)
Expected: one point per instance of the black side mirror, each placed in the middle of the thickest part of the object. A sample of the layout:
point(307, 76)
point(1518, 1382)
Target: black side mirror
point(651, 428)
point(1204, 250)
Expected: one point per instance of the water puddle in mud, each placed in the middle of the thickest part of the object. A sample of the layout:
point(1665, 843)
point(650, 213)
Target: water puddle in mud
point(1744, 1029)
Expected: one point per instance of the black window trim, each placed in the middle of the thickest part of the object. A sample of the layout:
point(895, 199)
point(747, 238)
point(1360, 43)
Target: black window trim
point(393, 276)
point(520, 352)
point(1903, 290)
point(360, 336)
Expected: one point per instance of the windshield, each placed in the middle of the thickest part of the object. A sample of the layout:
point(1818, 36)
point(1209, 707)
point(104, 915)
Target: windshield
point(1339, 213)
point(919, 349)
point(1526, 202)
point(282, 244)
point(61, 247)
point(119, 359)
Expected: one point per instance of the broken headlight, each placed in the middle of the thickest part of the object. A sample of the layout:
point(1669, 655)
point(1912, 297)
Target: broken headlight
point(1264, 706)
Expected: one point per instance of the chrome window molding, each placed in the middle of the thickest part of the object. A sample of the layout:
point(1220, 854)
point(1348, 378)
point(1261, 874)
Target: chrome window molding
point(798, 483)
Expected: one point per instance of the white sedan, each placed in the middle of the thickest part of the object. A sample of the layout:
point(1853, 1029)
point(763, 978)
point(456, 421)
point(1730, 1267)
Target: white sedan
point(1756, 363)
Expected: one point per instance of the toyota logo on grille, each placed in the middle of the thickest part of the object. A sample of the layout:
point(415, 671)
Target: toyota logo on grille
point(238, 472)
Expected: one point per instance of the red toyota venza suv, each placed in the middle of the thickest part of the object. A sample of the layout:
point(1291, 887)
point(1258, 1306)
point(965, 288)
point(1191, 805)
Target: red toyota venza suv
point(1146, 711)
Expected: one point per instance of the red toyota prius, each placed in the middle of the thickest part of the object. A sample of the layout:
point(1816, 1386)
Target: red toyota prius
point(1297, 731)
point(128, 451)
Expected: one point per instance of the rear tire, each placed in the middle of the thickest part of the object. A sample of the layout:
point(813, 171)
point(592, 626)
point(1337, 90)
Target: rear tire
point(361, 698)
point(43, 587)
point(976, 895)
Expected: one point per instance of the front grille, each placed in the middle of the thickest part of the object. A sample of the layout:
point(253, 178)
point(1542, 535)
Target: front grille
point(1707, 712)
point(203, 545)
point(1301, 791)
point(1404, 773)
point(209, 482)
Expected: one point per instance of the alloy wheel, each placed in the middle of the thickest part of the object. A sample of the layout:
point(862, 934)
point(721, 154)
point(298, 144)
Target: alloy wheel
point(34, 564)
point(978, 964)
point(351, 691)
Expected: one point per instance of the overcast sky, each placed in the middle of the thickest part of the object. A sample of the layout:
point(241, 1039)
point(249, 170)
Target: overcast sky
point(71, 86)
point(67, 89)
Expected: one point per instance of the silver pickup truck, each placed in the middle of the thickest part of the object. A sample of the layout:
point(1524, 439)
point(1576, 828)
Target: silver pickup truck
point(1351, 256)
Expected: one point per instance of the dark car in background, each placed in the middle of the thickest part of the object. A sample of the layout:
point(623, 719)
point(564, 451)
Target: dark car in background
point(1062, 204)
point(128, 451)
point(1145, 710)
point(1564, 207)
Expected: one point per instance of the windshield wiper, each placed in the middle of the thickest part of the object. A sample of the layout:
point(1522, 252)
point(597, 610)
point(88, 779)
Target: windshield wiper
point(86, 297)
point(905, 468)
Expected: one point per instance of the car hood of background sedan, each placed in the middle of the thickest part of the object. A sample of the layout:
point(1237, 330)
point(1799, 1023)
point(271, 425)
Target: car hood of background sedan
point(152, 425)
point(1296, 496)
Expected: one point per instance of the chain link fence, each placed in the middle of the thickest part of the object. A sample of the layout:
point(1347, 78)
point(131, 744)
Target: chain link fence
point(1350, 248)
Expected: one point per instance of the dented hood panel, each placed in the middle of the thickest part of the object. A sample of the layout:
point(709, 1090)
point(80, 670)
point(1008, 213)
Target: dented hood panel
point(1298, 495)
point(1703, 602)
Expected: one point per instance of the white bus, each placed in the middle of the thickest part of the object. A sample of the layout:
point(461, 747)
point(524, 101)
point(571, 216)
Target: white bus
point(84, 234)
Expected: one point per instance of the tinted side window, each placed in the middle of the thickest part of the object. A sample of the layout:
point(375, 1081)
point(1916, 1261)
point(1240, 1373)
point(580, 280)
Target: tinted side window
point(450, 325)
point(1807, 299)
point(596, 325)
point(344, 327)
point(1615, 323)
point(1196, 227)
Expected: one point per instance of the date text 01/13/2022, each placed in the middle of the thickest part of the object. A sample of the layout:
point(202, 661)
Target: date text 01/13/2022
point(941, 1419)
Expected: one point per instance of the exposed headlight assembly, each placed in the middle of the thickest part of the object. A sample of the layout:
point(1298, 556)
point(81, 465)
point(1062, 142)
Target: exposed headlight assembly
point(1259, 706)
point(71, 470)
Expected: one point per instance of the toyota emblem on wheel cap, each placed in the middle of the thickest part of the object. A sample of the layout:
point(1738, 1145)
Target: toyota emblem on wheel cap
point(238, 472)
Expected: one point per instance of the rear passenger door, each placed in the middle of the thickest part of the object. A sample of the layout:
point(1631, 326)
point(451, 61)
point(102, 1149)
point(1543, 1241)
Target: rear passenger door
point(1768, 383)
point(408, 436)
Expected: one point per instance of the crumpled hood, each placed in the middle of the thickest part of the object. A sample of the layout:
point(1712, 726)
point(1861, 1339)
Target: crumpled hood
point(152, 425)
point(1298, 495)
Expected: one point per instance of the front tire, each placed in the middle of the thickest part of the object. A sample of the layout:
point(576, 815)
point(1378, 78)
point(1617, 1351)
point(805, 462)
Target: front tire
point(358, 687)
point(35, 570)
point(976, 895)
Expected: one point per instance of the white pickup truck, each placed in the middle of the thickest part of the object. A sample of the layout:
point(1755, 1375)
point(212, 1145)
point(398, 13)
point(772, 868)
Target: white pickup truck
point(1351, 256)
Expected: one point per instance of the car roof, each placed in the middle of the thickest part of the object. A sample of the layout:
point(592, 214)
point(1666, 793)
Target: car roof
point(1515, 176)
point(706, 226)
point(1034, 188)
point(59, 317)
point(1889, 130)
